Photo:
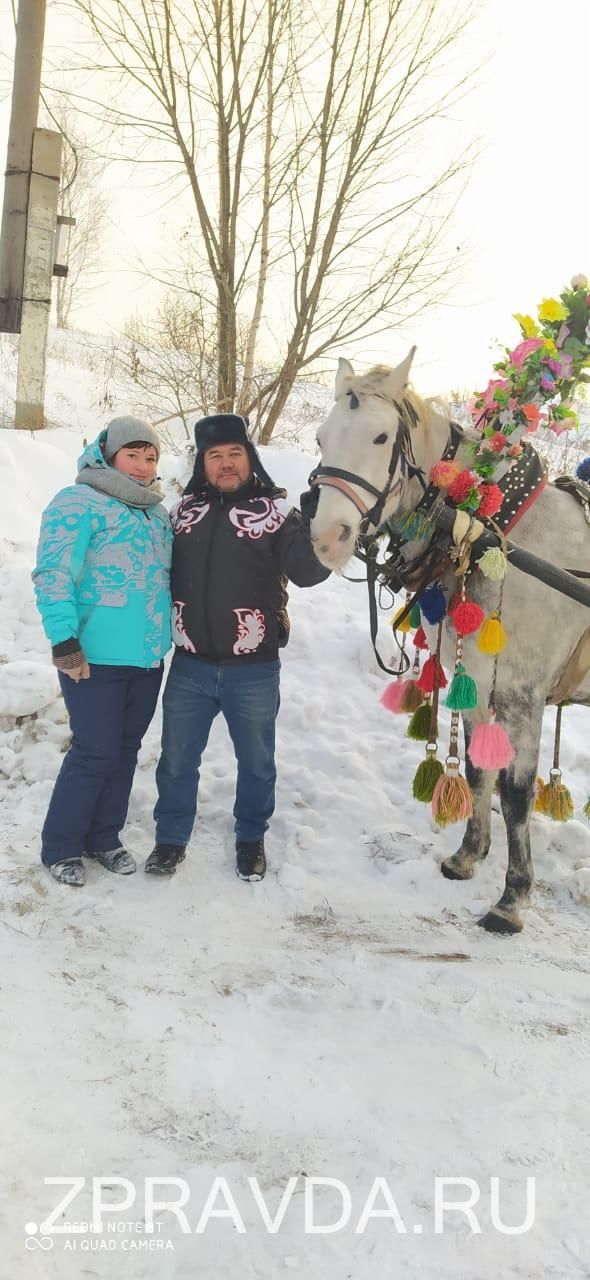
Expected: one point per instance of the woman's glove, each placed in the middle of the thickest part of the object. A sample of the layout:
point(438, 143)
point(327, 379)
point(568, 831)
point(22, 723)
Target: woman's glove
point(69, 659)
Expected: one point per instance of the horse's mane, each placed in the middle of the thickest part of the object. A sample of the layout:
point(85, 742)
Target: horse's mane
point(424, 407)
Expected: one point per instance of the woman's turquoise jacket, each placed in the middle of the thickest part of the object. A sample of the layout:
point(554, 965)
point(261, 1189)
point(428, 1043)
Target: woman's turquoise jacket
point(103, 574)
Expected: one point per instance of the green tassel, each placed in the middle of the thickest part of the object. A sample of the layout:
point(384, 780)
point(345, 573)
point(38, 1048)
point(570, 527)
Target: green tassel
point(415, 617)
point(419, 725)
point(427, 776)
point(493, 563)
point(462, 695)
point(587, 807)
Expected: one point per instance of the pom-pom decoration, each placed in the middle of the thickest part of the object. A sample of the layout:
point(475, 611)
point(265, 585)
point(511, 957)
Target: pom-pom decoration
point(490, 747)
point(493, 564)
point(432, 675)
point(492, 636)
point(462, 695)
point(466, 617)
point(451, 799)
point(433, 604)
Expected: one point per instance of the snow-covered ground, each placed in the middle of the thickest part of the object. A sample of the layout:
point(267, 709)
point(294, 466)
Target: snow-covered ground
point(345, 1019)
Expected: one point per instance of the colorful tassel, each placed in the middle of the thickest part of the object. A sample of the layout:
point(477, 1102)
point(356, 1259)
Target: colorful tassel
point(490, 747)
point(427, 775)
point(391, 698)
point(413, 526)
point(415, 616)
point(466, 617)
point(462, 695)
point(492, 636)
point(493, 564)
point(433, 604)
point(419, 726)
point(404, 625)
point(556, 799)
point(432, 674)
point(420, 641)
point(412, 697)
point(451, 800)
point(539, 793)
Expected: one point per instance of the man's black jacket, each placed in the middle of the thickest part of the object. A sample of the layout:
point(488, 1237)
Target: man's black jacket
point(233, 554)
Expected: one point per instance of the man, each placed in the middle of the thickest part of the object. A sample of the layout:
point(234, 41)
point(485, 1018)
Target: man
point(236, 544)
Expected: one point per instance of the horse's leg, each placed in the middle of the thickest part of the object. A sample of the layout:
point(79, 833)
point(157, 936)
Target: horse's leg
point(522, 716)
point(476, 841)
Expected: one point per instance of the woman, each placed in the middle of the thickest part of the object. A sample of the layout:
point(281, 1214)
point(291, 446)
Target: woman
point(102, 583)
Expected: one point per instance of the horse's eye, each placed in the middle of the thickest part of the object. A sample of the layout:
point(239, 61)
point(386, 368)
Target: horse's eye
point(382, 439)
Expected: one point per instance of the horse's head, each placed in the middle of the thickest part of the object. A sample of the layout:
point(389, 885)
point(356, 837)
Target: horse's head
point(367, 457)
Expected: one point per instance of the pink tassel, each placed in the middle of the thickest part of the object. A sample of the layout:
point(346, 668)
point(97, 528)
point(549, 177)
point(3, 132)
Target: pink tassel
point(490, 746)
point(392, 696)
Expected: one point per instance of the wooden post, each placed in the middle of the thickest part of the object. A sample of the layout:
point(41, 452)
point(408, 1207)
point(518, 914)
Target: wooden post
point(39, 259)
point(30, 30)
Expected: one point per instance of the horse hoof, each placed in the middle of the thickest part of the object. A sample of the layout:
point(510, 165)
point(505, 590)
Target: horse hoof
point(496, 921)
point(456, 870)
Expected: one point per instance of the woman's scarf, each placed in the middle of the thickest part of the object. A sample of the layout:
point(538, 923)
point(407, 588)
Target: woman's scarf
point(118, 485)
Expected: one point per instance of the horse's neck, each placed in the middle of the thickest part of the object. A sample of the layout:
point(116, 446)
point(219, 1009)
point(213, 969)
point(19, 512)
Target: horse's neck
point(430, 441)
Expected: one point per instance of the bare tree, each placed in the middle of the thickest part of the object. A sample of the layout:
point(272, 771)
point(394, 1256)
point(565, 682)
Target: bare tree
point(171, 357)
point(302, 134)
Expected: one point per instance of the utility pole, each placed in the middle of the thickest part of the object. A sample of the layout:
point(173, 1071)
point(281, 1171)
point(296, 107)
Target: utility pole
point(30, 31)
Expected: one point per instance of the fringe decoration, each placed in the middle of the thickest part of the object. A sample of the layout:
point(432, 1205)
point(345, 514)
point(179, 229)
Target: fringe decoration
point(412, 697)
point(493, 563)
point(587, 804)
point(433, 604)
point(451, 800)
point(415, 616)
point(427, 775)
point(419, 726)
point(492, 637)
point(413, 526)
point(462, 695)
point(466, 617)
point(432, 674)
point(420, 641)
point(490, 746)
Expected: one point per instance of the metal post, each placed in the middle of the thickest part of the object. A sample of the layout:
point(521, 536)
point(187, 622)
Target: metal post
point(26, 86)
point(39, 260)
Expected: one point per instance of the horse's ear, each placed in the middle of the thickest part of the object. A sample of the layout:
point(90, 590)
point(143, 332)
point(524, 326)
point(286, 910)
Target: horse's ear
point(397, 379)
point(345, 370)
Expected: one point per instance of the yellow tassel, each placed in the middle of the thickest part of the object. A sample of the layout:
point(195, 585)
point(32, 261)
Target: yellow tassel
point(538, 805)
point(452, 800)
point(556, 800)
point(401, 626)
point(492, 635)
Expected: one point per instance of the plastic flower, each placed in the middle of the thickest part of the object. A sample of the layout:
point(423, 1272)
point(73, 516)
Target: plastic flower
point(532, 414)
point(443, 473)
point(524, 350)
point(462, 486)
point(562, 335)
point(496, 442)
point(527, 325)
point(550, 346)
point(579, 282)
point(515, 450)
point(491, 500)
point(551, 309)
point(494, 386)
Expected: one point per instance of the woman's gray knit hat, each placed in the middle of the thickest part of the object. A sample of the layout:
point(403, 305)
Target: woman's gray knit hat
point(127, 430)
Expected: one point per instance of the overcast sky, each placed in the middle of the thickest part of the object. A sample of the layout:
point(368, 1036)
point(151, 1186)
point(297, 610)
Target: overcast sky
point(522, 226)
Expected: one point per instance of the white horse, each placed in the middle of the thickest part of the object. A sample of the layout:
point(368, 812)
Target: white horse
point(368, 435)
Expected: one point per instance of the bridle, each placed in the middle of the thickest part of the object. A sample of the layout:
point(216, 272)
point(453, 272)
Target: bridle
point(402, 455)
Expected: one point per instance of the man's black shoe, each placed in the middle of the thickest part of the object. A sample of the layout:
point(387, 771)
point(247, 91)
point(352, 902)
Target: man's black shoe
point(250, 859)
point(164, 859)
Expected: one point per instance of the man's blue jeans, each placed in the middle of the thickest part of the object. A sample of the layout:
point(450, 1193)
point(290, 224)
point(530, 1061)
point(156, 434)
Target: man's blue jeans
point(248, 697)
